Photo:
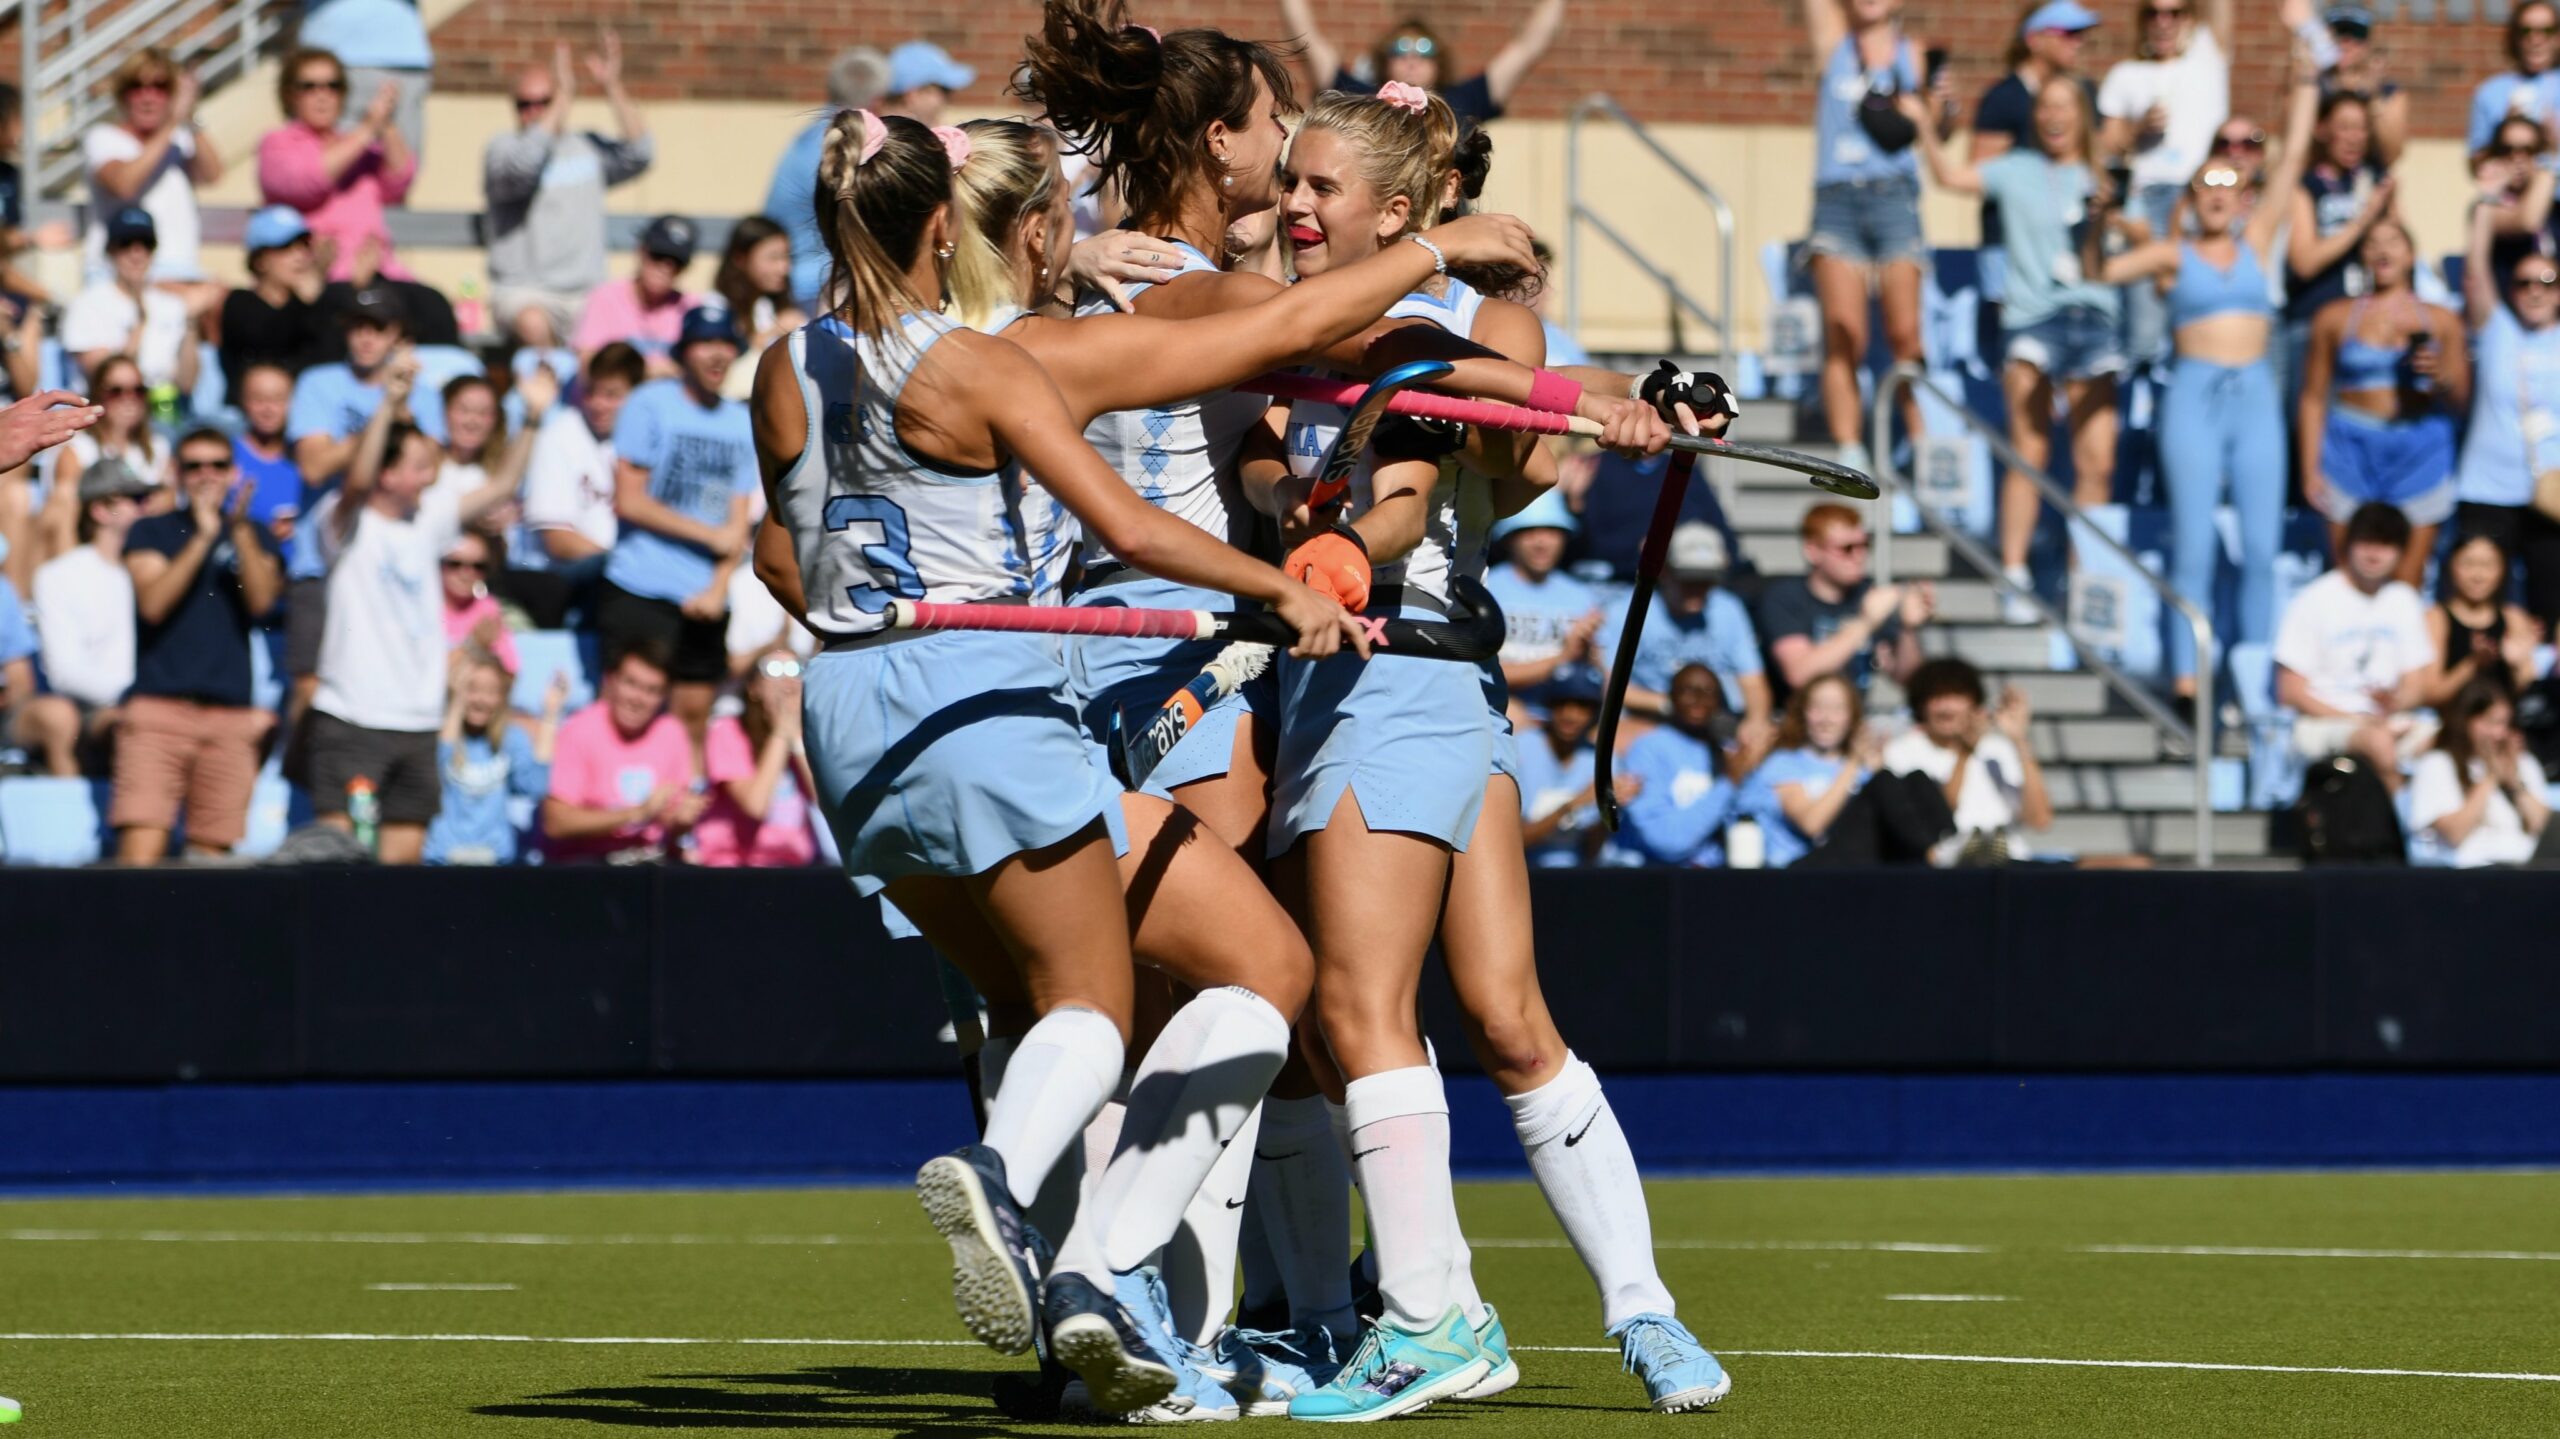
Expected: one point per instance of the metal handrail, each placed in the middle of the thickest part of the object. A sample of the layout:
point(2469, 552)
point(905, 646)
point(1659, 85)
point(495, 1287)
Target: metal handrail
point(66, 59)
point(1578, 214)
point(1908, 377)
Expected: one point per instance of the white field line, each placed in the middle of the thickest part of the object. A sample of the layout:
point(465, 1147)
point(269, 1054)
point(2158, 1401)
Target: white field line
point(1952, 1298)
point(299, 1236)
point(2258, 1251)
point(442, 1288)
point(663, 1340)
point(1879, 1246)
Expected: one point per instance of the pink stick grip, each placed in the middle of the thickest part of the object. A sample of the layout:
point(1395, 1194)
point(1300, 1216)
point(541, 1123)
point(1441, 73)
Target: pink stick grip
point(1058, 620)
point(1488, 414)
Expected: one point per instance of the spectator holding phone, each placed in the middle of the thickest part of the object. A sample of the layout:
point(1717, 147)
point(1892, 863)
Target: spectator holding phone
point(1686, 789)
point(2477, 634)
point(2478, 791)
point(623, 785)
point(485, 759)
point(2162, 109)
point(2360, 71)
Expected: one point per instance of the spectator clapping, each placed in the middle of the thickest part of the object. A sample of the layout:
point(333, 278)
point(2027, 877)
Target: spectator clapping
point(546, 183)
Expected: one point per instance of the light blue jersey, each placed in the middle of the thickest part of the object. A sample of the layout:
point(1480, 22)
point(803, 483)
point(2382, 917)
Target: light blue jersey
point(1538, 615)
point(700, 458)
point(2515, 412)
point(1719, 637)
point(472, 825)
point(1550, 782)
point(1759, 800)
point(1679, 814)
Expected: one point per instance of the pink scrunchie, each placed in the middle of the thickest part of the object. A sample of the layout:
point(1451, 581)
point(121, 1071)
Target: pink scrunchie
point(1152, 33)
point(875, 133)
point(955, 143)
point(1404, 96)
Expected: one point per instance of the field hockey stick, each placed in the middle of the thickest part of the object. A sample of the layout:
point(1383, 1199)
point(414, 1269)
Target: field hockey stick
point(1494, 415)
point(1622, 661)
point(969, 1032)
point(1136, 751)
point(1473, 631)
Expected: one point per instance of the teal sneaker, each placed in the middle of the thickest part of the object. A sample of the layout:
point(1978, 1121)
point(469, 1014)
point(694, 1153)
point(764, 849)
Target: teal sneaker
point(1678, 1372)
point(1266, 1368)
point(1497, 1347)
point(1396, 1371)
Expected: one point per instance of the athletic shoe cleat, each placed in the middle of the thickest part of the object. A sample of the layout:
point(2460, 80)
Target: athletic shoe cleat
point(1200, 1390)
point(1272, 1367)
point(1678, 1372)
point(1497, 1347)
point(995, 1281)
point(1090, 1333)
point(1397, 1371)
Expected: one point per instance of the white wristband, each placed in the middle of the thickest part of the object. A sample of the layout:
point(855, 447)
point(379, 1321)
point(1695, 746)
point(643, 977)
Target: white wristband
point(1439, 258)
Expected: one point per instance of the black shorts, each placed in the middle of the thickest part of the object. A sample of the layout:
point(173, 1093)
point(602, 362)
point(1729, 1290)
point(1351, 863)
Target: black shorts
point(306, 618)
point(697, 650)
point(401, 764)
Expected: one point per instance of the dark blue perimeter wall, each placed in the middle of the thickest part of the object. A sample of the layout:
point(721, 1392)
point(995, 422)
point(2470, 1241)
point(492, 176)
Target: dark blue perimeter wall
point(370, 1028)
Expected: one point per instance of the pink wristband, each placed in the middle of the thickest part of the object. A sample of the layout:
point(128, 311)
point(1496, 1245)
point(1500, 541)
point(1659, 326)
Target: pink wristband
point(1553, 392)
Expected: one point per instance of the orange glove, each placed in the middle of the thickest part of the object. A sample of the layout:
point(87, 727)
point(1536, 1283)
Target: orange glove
point(1332, 563)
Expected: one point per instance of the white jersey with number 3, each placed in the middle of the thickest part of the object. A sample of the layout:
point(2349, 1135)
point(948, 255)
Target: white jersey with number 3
point(872, 521)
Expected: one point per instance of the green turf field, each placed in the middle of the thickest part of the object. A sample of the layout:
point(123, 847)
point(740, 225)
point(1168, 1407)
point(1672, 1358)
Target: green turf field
point(204, 1317)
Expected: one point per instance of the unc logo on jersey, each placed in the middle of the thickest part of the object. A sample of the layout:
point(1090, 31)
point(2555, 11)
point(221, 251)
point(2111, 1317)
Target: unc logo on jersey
point(846, 425)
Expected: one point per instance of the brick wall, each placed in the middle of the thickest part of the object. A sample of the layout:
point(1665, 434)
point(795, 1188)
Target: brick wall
point(1740, 61)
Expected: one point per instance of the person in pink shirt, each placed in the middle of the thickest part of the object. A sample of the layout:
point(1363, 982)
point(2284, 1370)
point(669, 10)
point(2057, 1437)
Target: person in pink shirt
point(760, 782)
point(470, 611)
point(646, 311)
point(339, 179)
point(623, 788)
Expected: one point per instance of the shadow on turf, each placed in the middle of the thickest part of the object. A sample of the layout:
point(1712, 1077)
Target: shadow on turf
point(945, 1401)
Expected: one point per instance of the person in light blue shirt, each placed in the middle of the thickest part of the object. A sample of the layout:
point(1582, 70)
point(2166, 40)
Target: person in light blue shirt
point(1560, 818)
point(1694, 620)
point(1824, 756)
point(2532, 88)
point(791, 201)
point(1549, 616)
point(378, 42)
point(487, 761)
point(685, 467)
point(1684, 798)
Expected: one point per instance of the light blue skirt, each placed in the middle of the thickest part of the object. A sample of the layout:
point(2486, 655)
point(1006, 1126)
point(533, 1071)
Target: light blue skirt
point(950, 753)
point(1137, 676)
point(1408, 737)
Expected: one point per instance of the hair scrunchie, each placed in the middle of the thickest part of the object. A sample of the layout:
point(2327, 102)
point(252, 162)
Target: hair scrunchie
point(1405, 97)
point(1151, 33)
point(875, 133)
point(955, 143)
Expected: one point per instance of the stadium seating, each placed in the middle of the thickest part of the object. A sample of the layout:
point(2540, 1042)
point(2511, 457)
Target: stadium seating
point(49, 821)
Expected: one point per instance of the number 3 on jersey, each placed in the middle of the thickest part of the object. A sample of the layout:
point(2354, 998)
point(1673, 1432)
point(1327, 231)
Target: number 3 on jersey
point(878, 529)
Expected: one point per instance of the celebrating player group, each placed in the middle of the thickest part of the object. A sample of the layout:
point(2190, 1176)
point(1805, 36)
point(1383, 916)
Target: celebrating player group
point(1027, 512)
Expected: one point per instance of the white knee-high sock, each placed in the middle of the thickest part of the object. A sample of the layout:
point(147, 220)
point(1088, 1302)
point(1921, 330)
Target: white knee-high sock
point(1053, 1210)
point(1400, 1151)
point(1588, 1174)
point(1462, 1260)
point(1058, 1075)
point(1302, 1199)
point(1200, 1263)
point(1191, 1094)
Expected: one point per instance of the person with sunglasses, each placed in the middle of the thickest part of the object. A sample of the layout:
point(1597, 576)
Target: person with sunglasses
point(338, 178)
point(471, 612)
point(154, 155)
point(2360, 70)
point(761, 804)
point(2222, 423)
point(2508, 485)
point(383, 44)
point(1834, 618)
point(2532, 88)
point(1415, 54)
point(123, 435)
point(546, 183)
point(2161, 109)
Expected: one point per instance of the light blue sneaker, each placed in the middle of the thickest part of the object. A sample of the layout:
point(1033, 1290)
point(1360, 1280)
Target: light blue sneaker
point(1267, 1368)
point(1678, 1372)
point(1200, 1384)
point(1093, 1334)
point(1396, 1371)
point(1497, 1347)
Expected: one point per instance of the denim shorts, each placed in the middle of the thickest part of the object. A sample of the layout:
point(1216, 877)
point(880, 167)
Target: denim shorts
point(2073, 343)
point(1869, 222)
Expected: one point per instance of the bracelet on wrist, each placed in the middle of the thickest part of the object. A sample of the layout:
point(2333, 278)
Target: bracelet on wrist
point(1439, 257)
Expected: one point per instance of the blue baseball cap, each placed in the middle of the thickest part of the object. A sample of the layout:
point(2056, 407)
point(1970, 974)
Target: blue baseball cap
point(2060, 15)
point(131, 225)
point(919, 63)
point(1547, 512)
point(273, 228)
point(708, 322)
point(2355, 20)
point(1572, 684)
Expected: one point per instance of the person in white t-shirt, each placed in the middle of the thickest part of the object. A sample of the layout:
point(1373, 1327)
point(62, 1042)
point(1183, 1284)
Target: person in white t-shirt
point(1982, 757)
point(153, 156)
point(85, 624)
point(2353, 655)
point(2160, 111)
point(2479, 791)
point(568, 482)
point(124, 313)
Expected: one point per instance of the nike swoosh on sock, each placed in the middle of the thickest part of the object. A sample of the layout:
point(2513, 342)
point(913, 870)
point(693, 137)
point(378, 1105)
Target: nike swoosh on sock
point(1365, 1153)
point(1575, 1138)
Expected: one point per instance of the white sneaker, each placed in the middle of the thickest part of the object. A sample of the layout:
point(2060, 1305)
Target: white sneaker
point(2015, 607)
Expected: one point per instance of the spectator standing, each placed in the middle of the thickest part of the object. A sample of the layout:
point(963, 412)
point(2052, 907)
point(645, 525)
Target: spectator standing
point(2347, 190)
point(2360, 71)
point(2512, 447)
point(2353, 658)
point(2516, 185)
point(2062, 325)
point(1560, 819)
point(2051, 36)
point(1550, 618)
point(2532, 88)
point(1866, 202)
point(854, 81)
point(2478, 790)
point(2382, 378)
point(151, 157)
point(383, 665)
point(191, 734)
point(84, 614)
point(265, 400)
point(277, 318)
point(623, 782)
point(1694, 619)
point(545, 184)
point(486, 760)
point(1685, 791)
point(2162, 108)
point(647, 311)
point(1834, 619)
point(2478, 635)
point(124, 440)
point(124, 313)
point(339, 180)
point(1982, 758)
point(383, 43)
point(922, 79)
point(1415, 54)
point(761, 788)
point(471, 613)
point(1824, 755)
point(332, 404)
point(569, 520)
point(754, 281)
point(685, 468)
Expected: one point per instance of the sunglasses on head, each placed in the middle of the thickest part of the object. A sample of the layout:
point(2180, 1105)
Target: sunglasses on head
point(2218, 180)
point(1413, 45)
point(204, 467)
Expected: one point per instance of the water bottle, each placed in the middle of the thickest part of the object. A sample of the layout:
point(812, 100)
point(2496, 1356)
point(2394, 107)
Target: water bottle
point(364, 812)
point(1744, 848)
point(164, 406)
point(470, 312)
point(2410, 379)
